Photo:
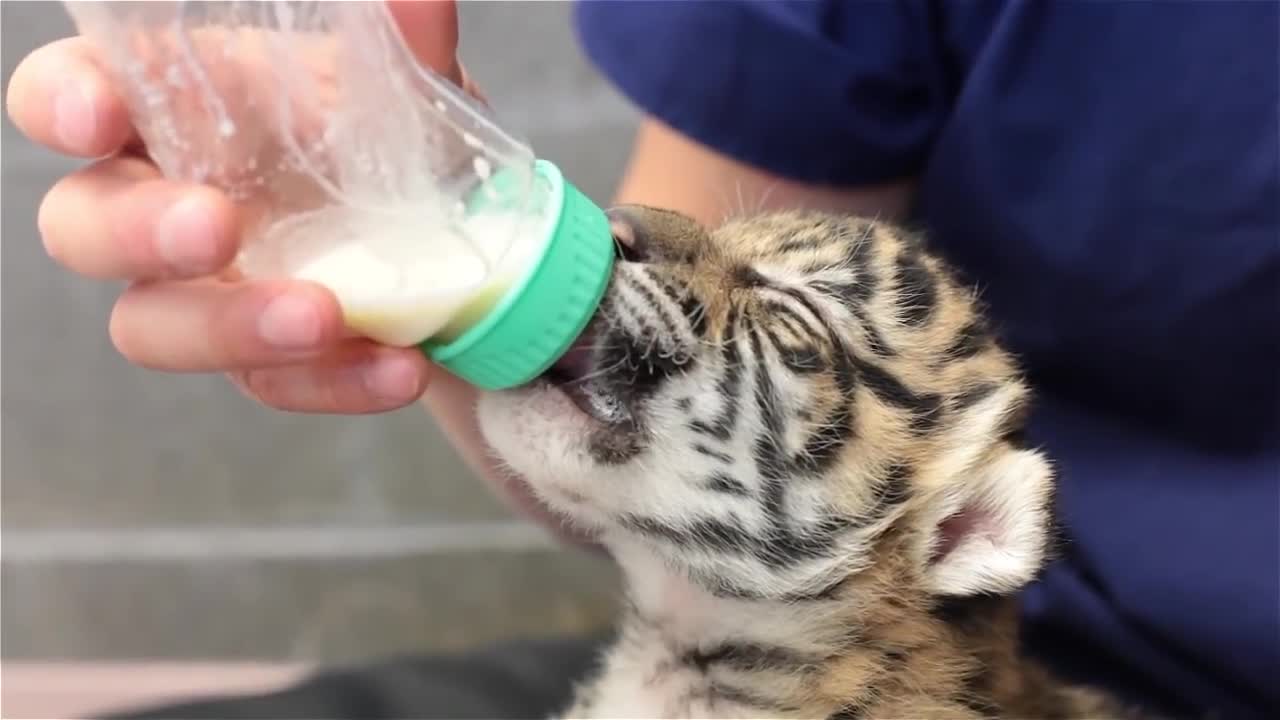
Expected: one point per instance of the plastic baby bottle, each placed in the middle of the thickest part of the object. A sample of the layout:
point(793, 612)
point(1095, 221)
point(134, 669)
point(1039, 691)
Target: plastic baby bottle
point(356, 168)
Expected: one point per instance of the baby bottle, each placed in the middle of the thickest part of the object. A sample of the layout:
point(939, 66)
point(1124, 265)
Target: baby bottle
point(356, 168)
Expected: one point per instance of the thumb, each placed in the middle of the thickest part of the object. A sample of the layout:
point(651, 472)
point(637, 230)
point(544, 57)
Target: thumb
point(430, 29)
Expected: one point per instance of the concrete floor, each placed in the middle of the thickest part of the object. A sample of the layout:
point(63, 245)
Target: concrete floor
point(164, 517)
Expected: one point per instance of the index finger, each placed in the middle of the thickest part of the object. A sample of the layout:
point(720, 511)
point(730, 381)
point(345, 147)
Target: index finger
point(430, 30)
point(61, 98)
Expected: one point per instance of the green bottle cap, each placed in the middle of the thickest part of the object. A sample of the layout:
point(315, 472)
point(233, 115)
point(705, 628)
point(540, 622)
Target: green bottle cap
point(541, 314)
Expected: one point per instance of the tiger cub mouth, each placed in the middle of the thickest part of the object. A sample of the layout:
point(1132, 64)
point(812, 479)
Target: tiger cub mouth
point(596, 390)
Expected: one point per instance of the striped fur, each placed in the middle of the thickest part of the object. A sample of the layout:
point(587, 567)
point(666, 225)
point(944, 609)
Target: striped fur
point(802, 445)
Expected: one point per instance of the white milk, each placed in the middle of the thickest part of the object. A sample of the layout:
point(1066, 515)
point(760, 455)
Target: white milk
point(402, 279)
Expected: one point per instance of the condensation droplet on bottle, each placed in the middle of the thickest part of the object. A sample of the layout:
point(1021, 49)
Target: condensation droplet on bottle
point(174, 77)
point(471, 141)
point(482, 167)
point(439, 105)
point(226, 127)
point(152, 98)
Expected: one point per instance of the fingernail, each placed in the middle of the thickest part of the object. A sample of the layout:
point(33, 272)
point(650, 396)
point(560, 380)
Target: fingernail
point(290, 323)
point(185, 238)
point(73, 116)
point(392, 379)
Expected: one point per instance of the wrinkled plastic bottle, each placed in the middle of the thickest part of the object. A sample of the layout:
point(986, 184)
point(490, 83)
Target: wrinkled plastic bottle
point(359, 169)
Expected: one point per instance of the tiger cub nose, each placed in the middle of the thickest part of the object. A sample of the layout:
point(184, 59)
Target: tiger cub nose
point(648, 234)
point(629, 239)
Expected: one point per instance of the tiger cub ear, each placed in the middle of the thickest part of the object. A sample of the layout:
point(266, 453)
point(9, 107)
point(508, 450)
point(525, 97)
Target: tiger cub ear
point(994, 535)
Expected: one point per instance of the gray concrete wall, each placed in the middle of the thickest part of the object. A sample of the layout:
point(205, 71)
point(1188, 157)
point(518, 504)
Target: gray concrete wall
point(157, 516)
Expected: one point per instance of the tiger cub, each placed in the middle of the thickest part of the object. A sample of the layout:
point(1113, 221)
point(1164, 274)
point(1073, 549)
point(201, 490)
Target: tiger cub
point(802, 446)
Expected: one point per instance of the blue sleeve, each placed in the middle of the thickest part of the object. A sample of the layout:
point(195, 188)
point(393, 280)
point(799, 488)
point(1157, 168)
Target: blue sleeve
point(828, 91)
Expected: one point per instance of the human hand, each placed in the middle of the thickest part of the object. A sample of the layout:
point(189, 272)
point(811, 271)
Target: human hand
point(280, 341)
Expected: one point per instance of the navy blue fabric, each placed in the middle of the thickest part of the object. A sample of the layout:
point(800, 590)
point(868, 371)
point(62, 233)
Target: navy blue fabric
point(1109, 173)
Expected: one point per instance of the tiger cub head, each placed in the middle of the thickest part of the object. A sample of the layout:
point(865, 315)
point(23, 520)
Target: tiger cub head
point(759, 405)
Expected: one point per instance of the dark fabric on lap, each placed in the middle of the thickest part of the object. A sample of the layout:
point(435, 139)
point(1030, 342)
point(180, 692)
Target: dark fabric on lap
point(515, 680)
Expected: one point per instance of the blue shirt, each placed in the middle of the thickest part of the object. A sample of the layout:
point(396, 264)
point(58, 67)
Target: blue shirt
point(1109, 173)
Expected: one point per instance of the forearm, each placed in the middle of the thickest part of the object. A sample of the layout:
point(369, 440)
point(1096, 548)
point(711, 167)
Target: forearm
point(668, 170)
